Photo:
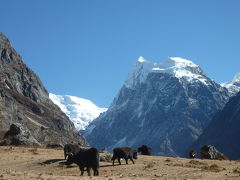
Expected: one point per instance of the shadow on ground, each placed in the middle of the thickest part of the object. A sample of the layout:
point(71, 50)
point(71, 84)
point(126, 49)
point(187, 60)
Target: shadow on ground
point(50, 161)
point(110, 165)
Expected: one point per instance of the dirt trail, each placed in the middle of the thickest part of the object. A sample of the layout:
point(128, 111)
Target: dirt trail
point(21, 163)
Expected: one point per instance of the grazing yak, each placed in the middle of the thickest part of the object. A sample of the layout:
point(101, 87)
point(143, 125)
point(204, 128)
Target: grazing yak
point(145, 150)
point(70, 149)
point(125, 153)
point(88, 158)
point(192, 154)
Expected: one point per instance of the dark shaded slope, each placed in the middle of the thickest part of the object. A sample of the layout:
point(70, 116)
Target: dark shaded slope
point(224, 130)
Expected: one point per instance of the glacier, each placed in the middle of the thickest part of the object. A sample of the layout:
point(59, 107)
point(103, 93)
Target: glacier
point(80, 111)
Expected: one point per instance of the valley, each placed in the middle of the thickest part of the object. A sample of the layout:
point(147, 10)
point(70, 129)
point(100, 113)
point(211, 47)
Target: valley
point(28, 163)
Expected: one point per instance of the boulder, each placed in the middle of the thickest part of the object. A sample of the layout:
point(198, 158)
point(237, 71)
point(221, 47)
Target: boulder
point(14, 130)
point(19, 135)
point(210, 152)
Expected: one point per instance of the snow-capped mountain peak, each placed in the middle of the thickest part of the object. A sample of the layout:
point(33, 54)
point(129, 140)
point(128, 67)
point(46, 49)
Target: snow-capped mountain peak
point(141, 59)
point(176, 66)
point(184, 69)
point(139, 72)
point(233, 86)
point(80, 111)
point(236, 79)
point(182, 62)
point(177, 62)
point(164, 105)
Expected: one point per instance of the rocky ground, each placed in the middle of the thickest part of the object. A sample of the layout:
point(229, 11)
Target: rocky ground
point(37, 163)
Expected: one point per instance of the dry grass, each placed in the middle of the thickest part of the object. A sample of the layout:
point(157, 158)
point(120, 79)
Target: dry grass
point(236, 170)
point(149, 165)
point(198, 163)
point(34, 150)
point(9, 149)
point(23, 163)
point(195, 164)
point(212, 168)
point(168, 160)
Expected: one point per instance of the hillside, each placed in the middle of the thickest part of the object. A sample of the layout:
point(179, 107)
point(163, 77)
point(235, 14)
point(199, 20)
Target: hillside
point(223, 131)
point(25, 102)
point(21, 163)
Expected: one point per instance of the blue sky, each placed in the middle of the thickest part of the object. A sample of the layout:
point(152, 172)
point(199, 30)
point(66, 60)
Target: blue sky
point(87, 47)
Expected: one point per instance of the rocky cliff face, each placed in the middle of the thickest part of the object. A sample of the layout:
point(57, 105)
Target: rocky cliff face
point(224, 130)
point(165, 106)
point(25, 101)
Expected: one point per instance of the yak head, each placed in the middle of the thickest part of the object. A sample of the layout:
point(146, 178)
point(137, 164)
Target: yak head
point(135, 155)
point(70, 159)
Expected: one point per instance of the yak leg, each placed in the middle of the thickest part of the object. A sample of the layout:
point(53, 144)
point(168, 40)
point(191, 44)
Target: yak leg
point(119, 161)
point(113, 159)
point(96, 173)
point(88, 171)
point(82, 170)
point(132, 160)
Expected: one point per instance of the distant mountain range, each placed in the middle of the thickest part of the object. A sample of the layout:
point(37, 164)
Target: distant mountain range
point(80, 111)
point(166, 106)
point(170, 106)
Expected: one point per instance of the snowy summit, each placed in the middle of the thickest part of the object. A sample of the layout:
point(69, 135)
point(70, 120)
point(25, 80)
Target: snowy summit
point(233, 86)
point(80, 111)
point(178, 67)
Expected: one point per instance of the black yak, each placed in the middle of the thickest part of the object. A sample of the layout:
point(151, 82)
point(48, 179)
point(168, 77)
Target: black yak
point(125, 153)
point(145, 150)
point(70, 149)
point(88, 158)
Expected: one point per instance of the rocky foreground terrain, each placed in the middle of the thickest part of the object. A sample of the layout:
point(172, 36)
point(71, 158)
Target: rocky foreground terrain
point(39, 163)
